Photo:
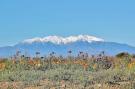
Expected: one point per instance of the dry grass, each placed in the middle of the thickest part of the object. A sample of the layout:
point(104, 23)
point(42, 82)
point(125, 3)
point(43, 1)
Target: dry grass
point(99, 72)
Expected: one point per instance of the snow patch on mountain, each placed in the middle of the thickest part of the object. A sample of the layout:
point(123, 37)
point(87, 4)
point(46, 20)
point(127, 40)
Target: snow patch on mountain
point(63, 40)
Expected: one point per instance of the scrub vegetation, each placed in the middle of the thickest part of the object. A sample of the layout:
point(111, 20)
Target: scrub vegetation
point(72, 72)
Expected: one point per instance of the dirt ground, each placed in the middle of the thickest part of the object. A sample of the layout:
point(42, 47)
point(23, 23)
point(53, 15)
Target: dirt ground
point(46, 84)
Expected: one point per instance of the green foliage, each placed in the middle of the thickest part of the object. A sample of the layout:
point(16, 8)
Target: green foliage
point(122, 55)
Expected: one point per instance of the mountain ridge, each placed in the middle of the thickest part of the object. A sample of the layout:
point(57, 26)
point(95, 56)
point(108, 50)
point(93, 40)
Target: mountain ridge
point(90, 46)
point(63, 40)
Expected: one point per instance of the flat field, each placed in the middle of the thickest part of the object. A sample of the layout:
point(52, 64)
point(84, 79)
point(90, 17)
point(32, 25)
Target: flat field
point(57, 72)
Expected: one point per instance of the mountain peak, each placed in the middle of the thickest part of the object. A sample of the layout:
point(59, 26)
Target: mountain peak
point(63, 40)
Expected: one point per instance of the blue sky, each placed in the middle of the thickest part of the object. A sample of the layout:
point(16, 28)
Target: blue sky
point(112, 20)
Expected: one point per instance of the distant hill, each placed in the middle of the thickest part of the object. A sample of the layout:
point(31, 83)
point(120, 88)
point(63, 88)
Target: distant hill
point(60, 45)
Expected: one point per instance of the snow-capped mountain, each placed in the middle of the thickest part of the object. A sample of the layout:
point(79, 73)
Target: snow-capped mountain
point(62, 40)
point(60, 45)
